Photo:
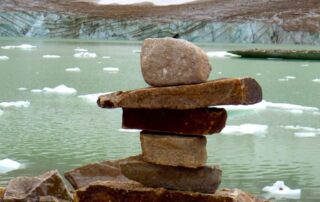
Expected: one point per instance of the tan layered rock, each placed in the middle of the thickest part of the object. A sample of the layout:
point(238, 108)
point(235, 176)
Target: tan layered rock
point(2, 190)
point(172, 150)
point(50, 184)
point(218, 92)
point(129, 192)
point(104, 171)
point(204, 179)
point(169, 62)
point(201, 121)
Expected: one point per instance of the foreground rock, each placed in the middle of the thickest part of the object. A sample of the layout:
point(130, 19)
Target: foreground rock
point(47, 185)
point(129, 192)
point(169, 62)
point(201, 121)
point(204, 179)
point(278, 53)
point(218, 92)
point(104, 171)
point(2, 190)
point(171, 150)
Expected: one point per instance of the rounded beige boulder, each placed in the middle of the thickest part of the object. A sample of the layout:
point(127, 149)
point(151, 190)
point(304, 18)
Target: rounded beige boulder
point(169, 62)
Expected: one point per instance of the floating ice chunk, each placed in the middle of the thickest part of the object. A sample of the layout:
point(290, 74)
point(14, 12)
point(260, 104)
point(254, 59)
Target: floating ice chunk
point(1, 112)
point(219, 72)
point(3, 57)
point(155, 2)
point(18, 104)
point(283, 79)
point(61, 89)
point(305, 134)
point(316, 80)
point(129, 130)
point(287, 106)
point(220, 54)
point(305, 65)
point(36, 91)
point(22, 47)
point(301, 128)
point(7, 165)
point(22, 89)
point(92, 98)
point(279, 190)
point(258, 74)
point(106, 57)
point(136, 51)
point(250, 129)
point(290, 77)
point(296, 111)
point(51, 56)
point(80, 50)
point(111, 69)
point(85, 55)
point(75, 69)
point(316, 113)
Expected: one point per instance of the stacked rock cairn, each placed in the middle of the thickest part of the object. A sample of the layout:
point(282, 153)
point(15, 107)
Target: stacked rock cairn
point(176, 113)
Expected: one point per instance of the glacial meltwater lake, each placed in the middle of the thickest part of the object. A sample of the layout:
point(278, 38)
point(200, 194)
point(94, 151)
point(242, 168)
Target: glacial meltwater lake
point(43, 127)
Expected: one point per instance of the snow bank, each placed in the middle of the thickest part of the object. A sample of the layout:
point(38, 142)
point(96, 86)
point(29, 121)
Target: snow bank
point(244, 129)
point(17, 104)
point(85, 55)
point(220, 54)
point(51, 56)
point(60, 90)
point(3, 57)
point(92, 98)
point(279, 190)
point(75, 69)
point(7, 165)
point(21, 47)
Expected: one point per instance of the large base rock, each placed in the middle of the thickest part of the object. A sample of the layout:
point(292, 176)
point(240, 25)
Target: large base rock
point(204, 179)
point(2, 190)
point(31, 189)
point(191, 121)
point(232, 91)
point(130, 192)
point(186, 151)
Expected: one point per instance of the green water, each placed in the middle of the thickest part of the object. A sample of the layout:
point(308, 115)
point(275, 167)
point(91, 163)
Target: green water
point(64, 131)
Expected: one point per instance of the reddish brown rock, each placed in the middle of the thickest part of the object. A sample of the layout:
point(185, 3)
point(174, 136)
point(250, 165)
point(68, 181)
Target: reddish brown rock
point(130, 192)
point(169, 62)
point(233, 91)
point(49, 184)
point(204, 179)
point(172, 150)
point(201, 121)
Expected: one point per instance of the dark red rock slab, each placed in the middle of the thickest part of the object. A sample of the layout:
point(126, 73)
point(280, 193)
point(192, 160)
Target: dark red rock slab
point(233, 91)
point(201, 121)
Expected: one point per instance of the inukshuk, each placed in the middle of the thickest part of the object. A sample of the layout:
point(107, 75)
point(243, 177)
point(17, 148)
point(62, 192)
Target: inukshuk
point(176, 113)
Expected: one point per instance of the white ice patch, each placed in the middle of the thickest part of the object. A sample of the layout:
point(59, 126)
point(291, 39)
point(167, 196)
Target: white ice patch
point(316, 80)
point(22, 89)
point(7, 165)
point(75, 69)
point(279, 190)
point(129, 130)
point(245, 129)
point(303, 131)
point(111, 69)
point(51, 56)
point(258, 74)
point(85, 55)
point(304, 134)
point(220, 54)
point(17, 104)
point(21, 47)
point(287, 78)
point(36, 91)
point(80, 50)
point(92, 98)
point(1, 112)
point(136, 51)
point(60, 90)
point(106, 57)
point(155, 2)
point(3, 57)
point(305, 65)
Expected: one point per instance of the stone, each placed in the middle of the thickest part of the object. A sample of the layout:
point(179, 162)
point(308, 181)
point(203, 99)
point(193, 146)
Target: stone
point(2, 190)
point(202, 121)
point(104, 171)
point(128, 192)
point(233, 91)
point(169, 62)
point(50, 184)
point(171, 150)
point(204, 179)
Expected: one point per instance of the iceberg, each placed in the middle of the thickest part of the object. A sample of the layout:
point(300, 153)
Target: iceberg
point(3, 57)
point(51, 56)
point(85, 55)
point(244, 129)
point(21, 47)
point(316, 80)
point(61, 90)
point(220, 54)
point(22, 89)
point(111, 69)
point(129, 130)
point(75, 69)
point(305, 134)
point(36, 91)
point(280, 191)
point(7, 165)
point(17, 104)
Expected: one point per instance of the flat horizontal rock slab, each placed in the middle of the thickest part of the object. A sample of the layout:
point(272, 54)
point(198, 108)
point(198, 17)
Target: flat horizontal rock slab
point(278, 53)
point(171, 150)
point(202, 121)
point(103, 171)
point(204, 179)
point(232, 91)
point(130, 192)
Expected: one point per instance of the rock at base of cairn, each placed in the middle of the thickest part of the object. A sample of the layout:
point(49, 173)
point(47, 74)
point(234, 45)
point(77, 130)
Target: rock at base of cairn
point(168, 62)
point(172, 150)
point(129, 192)
point(201, 121)
point(47, 185)
point(2, 190)
point(232, 91)
point(204, 179)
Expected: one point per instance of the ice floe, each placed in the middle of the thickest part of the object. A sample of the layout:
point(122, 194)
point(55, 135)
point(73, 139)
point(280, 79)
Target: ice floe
point(74, 69)
point(17, 104)
point(316, 80)
point(280, 191)
point(1, 112)
point(21, 47)
point(80, 49)
point(303, 131)
point(92, 98)
point(287, 78)
point(22, 89)
point(245, 129)
point(61, 90)
point(155, 2)
point(129, 130)
point(85, 55)
point(220, 54)
point(258, 74)
point(7, 165)
point(36, 91)
point(3, 57)
point(106, 57)
point(305, 134)
point(111, 69)
point(136, 51)
point(304, 65)
point(51, 56)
